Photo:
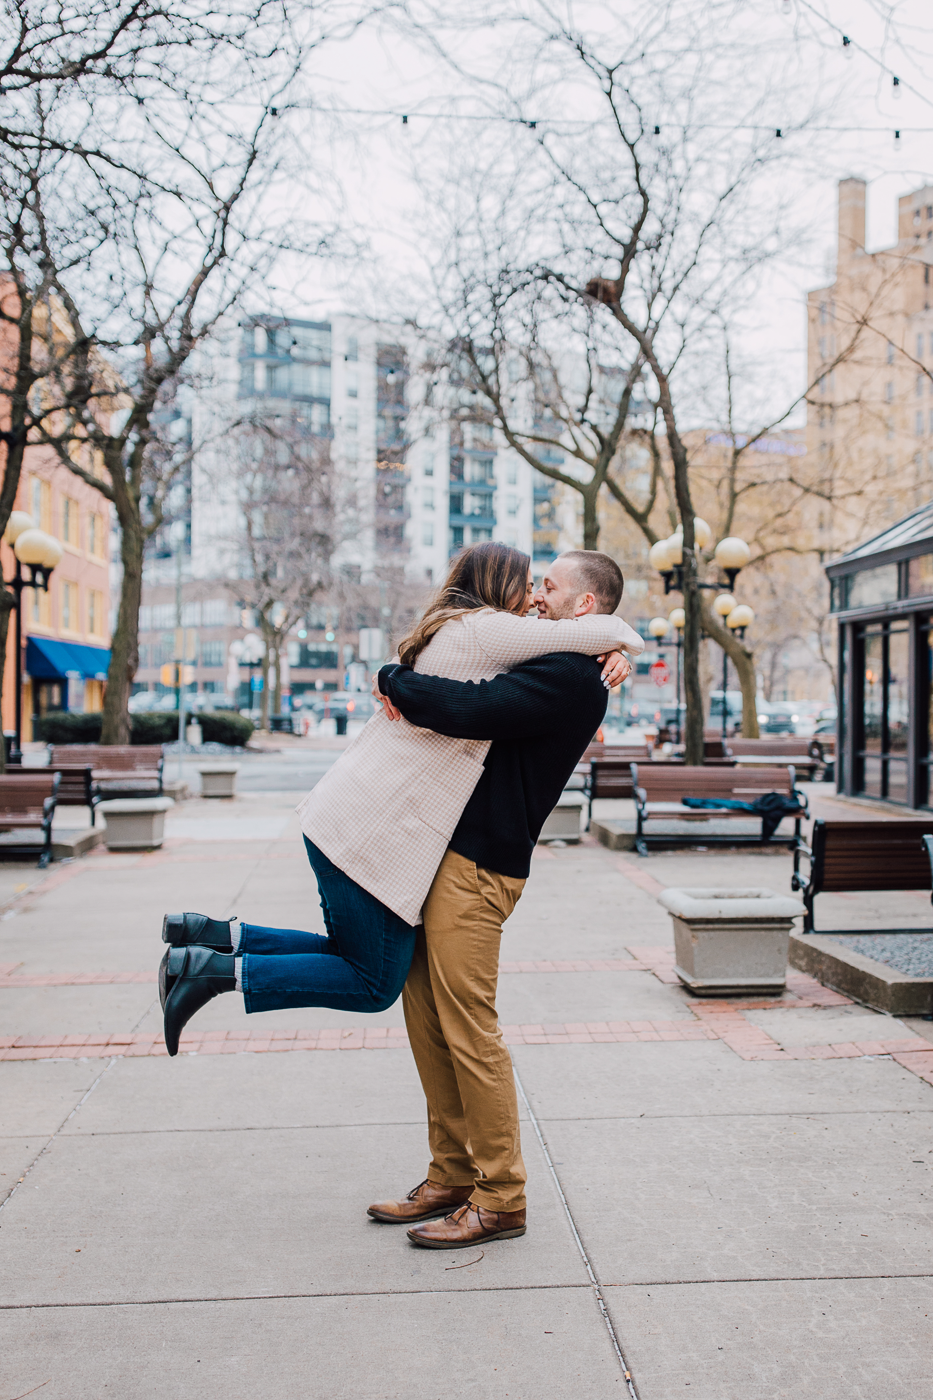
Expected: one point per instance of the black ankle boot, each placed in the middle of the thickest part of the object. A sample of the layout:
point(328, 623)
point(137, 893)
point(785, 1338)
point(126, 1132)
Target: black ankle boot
point(183, 929)
point(189, 978)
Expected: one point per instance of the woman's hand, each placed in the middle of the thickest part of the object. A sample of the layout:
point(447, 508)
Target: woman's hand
point(390, 711)
point(617, 668)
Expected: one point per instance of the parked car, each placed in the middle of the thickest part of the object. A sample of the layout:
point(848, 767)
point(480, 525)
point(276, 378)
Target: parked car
point(353, 704)
point(775, 718)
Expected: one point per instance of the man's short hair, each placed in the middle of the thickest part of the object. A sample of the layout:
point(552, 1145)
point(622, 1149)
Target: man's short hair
point(599, 575)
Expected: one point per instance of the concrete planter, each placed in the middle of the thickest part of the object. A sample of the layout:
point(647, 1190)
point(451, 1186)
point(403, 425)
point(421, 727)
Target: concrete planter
point(218, 779)
point(729, 941)
point(135, 823)
point(563, 824)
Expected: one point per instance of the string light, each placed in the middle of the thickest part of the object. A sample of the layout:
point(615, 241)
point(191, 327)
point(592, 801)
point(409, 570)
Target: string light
point(897, 140)
point(895, 87)
point(847, 48)
point(786, 7)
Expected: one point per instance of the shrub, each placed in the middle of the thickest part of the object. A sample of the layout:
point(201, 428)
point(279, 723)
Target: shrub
point(158, 727)
point(225, 727)
point(63, 728)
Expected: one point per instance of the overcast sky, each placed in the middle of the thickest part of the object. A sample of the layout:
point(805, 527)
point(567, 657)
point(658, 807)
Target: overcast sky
point(382, 73)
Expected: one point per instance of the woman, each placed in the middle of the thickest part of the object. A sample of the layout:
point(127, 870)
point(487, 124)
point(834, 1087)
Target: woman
point(378, 823)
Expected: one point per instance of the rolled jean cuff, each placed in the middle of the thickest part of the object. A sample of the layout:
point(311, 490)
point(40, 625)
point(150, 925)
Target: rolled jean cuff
point(244, 972)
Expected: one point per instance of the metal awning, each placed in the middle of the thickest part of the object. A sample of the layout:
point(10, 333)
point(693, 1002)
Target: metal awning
point(51, 660)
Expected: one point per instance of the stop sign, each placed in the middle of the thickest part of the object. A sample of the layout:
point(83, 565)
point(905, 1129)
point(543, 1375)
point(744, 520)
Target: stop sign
point(659, 671)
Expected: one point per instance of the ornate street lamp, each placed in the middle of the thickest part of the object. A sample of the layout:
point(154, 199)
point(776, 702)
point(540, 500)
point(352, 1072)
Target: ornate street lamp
point(39, 553)
point(667, 556)
point(737, 617)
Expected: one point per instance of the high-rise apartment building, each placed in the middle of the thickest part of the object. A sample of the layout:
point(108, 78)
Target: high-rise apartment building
point(419, 472)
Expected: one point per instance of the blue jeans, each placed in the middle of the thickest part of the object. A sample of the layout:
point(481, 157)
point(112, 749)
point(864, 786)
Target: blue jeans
point(361, 964)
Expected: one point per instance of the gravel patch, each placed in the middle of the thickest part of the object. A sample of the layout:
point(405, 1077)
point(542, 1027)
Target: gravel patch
point(910, 953)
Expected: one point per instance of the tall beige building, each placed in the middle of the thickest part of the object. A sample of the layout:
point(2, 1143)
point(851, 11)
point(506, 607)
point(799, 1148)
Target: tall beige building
point(870, 367)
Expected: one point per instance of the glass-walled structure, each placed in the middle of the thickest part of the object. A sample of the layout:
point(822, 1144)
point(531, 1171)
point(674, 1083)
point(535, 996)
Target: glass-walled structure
point(882, 596)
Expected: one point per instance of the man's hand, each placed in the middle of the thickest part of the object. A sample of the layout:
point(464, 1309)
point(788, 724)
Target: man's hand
point(617, 668)
point(390, 711)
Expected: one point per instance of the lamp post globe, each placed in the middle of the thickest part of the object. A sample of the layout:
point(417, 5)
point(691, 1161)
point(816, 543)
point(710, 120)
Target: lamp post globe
point(658, 627)
point(702, 533)
point(19, 521)
point(35, 547)
point(740, 617)
point(724, 604)
point(659, 557)
point(677, 618)
point(732, 553)
point(675, 549)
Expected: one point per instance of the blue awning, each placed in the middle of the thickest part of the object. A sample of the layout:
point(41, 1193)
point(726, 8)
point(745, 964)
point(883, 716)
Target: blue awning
point(49, 660)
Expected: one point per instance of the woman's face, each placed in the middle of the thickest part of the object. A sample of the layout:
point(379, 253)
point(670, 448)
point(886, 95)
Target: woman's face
point(524, 606)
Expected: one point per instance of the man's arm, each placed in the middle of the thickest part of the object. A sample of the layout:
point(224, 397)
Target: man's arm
point(527, 701)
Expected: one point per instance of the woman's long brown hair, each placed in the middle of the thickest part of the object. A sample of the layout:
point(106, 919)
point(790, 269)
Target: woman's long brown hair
point(485, 575)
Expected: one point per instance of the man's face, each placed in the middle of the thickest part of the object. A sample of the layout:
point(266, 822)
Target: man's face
point(560, 594)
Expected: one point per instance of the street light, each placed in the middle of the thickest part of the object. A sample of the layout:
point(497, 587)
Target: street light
point(39, 553)
point(667, 556)
point(737, 617)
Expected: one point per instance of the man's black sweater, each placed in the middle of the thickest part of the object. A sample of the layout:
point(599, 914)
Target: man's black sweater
point(540, 717)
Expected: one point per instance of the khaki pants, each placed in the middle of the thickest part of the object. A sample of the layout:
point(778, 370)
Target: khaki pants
point(450, 1012)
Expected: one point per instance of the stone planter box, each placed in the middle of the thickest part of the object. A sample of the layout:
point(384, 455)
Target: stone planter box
point(731, 941)
point(563, 824)
point(862, 977)
point(218, 779)
point(135, 823)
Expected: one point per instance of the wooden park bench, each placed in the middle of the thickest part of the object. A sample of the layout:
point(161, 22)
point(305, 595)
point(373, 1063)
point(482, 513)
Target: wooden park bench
point(606, 771)
point(76, 787)
point(805, 755)
point(27, 802)
point(118, 770)
point(847, 856)
point(660, 787)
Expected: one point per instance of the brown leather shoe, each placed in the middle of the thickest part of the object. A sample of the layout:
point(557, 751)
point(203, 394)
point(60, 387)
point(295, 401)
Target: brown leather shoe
point(468, 1226)
point(427, 1201)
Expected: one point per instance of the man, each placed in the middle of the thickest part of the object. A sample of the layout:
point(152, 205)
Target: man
point(540, 717)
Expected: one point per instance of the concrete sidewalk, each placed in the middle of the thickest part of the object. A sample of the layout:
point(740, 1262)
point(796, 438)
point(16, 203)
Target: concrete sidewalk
point(733, 1199)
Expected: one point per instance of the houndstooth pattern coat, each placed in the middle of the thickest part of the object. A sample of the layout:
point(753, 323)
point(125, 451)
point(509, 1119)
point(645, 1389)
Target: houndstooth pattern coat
point(385, 812)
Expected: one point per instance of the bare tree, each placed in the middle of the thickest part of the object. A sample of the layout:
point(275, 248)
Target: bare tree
point(142, 201)
point(293, 519)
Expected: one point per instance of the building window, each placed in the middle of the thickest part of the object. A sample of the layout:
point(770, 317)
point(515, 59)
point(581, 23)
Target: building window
point(69, 611)
point(479, 534)
point(511, 474)
point(920, 345)
point(95, 612)
point(889, 391)
point(512, 504)
point(352, 382)
point(919, 387)
point(40, 503)
point(70, 521)
point(890, 353)
point(95, 535)
point(428, 497)
point(353, 349)
point(212, 653)
point(456, 537)
point(215, 612)
point(309, 380)
point(427, 534)
point(884, 683)
point(919, 424)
